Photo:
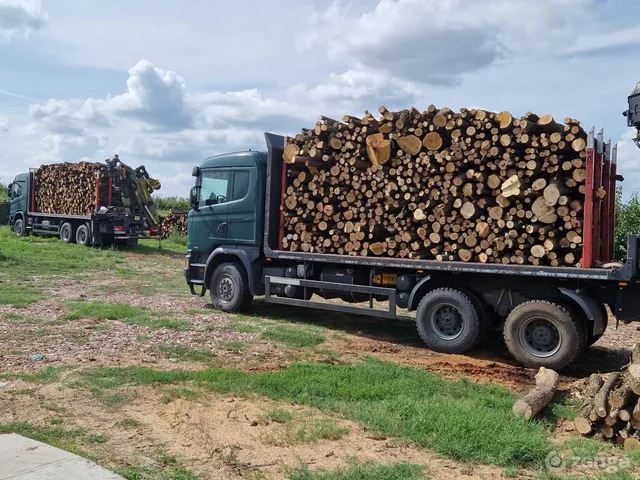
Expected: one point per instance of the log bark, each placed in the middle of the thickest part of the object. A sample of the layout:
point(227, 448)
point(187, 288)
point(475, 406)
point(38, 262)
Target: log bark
point(582, 422)
point(539, 397)
point(600, 401)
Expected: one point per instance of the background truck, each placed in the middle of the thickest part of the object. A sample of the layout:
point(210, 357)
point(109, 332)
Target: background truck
point(548, 314)
point(85, 203)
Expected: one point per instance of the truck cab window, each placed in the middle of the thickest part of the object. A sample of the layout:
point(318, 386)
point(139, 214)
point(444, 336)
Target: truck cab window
point(215, 187)
point(240, 184)
point(16, 190)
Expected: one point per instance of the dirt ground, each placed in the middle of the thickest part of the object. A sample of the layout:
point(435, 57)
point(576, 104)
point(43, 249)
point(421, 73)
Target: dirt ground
point(222, 437)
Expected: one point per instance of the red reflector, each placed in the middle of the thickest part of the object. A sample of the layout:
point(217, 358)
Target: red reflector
point(153, 231)
point(118, 229)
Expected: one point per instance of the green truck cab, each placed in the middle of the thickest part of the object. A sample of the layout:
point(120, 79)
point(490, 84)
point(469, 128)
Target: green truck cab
point(548, 315)
point(226, 222)
point(19, 192)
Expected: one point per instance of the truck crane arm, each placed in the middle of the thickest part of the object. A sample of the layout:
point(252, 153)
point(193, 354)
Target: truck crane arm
point(633, 113)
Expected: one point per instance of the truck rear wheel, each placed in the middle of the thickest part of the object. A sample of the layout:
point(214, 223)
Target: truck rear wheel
point(539, 333)
point(67, 233)
point(18, 227)
point(83, 236)
point(229, 288)
point(448, 321)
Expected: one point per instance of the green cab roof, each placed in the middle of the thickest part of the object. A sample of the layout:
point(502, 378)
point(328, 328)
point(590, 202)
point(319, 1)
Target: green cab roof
point(237, 159)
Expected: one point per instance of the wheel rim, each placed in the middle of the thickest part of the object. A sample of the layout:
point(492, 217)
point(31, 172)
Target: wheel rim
point(540, 337)
point(66, 234)
point(226, 289)
point(446, 321)
point(19, 227)
point(83, 236)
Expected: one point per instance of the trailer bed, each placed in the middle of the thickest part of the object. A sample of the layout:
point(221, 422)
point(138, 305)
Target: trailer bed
point(618, 274)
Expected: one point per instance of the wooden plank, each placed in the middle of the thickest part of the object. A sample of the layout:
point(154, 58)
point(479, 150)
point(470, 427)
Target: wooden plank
point(597, 204)
point(587, 236)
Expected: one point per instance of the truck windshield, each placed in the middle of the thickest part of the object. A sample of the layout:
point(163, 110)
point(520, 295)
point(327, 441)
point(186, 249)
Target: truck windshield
point(215, 187)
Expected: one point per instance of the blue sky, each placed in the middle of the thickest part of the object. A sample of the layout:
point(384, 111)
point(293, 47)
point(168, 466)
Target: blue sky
point(166, 83)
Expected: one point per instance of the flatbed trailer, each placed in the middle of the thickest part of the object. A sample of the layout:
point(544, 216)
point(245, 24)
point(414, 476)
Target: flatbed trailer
point(548, 315)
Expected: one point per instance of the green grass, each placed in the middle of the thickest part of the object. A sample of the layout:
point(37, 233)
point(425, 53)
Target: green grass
point(55, 421)
point(19, 295)
point(125, 313)
point(184, 393)
point(47, 257)
point(294, 336)
point(187, 354)
point(236, 327)
point(46, 375)
point(106, 311)
point(96, 438)
point(165, 467)
point(309, 432)
point(363, 471)
point(277, 415)
point(452, 418)
point(233, 346)
point(65, 439)
point(114, 399)
point(129, 423)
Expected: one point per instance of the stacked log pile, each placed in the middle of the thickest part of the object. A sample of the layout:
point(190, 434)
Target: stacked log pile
point(471, 186)
point(175, 222)
point(611, 405)
point(67, 188)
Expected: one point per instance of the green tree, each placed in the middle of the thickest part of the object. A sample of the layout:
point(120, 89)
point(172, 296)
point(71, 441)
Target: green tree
point(627, 222)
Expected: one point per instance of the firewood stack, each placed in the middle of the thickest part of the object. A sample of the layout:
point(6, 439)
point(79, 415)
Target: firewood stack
point(474, 186)
point(67, 188)
point(611, 405)
point(175, 222)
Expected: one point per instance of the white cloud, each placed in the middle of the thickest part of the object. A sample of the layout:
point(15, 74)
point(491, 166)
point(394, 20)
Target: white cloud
point(435, 41)
point(190, 146)
point(68, 118)
point(72, 148)
point(4, 124)
point(153, 96)
point(20, 17)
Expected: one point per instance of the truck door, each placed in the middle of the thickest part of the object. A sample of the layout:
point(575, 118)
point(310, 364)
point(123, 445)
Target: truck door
point(19, 194)
point(214, 193)
point(242, 205)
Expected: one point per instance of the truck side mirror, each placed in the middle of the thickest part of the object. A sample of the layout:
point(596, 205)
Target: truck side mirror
point(195, 171)
point(194, 198)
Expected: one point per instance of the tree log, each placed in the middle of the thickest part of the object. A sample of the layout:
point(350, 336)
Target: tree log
point(539, 397)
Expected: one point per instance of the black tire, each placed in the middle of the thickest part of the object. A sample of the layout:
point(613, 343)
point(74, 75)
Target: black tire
point(539, 333)
point(83, 236)
point(448, 321)
point(18, 228)
point(486, 314)
point(229, 288)
point(67, 235)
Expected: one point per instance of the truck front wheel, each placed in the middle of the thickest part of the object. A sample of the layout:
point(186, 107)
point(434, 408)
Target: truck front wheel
point(18, 227)
point(83, 236)
point(448, 321)
point(539, 333)
point(66, 233)
point(229, 288)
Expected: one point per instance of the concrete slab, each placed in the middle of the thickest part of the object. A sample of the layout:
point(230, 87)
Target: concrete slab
point(25, 459)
